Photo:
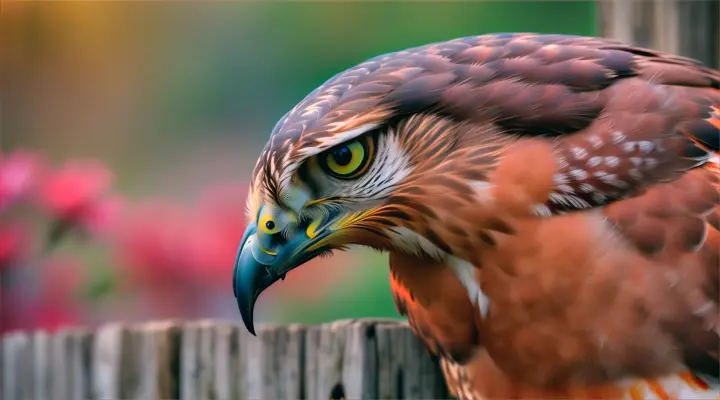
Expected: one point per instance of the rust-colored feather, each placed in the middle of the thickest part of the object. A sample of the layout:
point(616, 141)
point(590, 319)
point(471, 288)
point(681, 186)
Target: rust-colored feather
point(446, 325)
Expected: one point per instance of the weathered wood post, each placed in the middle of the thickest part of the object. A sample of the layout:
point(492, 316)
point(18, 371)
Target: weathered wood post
point(689, 28)
point(351, 359)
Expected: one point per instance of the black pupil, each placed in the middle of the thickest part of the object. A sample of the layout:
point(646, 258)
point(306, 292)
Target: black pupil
point(342, 155)
point(270, 225)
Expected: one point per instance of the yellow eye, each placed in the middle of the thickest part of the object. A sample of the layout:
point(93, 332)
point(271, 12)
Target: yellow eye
point(349, 160)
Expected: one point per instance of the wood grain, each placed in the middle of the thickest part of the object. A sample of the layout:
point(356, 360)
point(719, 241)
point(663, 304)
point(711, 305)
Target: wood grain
point(351, 359)
point(690, 28)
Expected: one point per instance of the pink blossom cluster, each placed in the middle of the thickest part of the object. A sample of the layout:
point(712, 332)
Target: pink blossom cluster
point(36, 286)
point(157, 258)
point(157, 250)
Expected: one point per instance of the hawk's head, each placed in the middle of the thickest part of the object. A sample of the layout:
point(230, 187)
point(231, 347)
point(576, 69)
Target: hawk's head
point(396, 153)
point(358, 162)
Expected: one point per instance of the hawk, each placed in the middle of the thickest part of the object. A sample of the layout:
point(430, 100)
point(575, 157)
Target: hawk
point(550, 205)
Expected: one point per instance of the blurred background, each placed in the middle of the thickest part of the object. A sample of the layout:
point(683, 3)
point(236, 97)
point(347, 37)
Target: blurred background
point(129, 131)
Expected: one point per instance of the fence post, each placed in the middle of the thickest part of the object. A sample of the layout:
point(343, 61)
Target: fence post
point(699, 36)
point(689, 28)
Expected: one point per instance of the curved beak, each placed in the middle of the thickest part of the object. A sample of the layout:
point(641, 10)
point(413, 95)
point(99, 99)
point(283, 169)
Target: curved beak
point(250, 278)
point(260, 263)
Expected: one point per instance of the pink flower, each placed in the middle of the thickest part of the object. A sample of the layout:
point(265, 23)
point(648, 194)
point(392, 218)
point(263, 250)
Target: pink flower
point(152, 245)
point(75, 195)
point(52, 316)
point(104, 217)
point(18, 174)
point(18, 311)
point(13, 244)
point(12, 312)
point(57, 305)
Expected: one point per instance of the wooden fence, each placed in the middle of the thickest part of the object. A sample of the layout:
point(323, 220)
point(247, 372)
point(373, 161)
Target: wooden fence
point(687, 27)
point(353, 359)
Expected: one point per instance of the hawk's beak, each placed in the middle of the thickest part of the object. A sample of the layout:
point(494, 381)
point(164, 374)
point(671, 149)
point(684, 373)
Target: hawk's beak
point(250, 278)
point(261, 261)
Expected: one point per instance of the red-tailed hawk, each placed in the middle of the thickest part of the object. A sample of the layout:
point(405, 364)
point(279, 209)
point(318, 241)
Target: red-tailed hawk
point(550, 204)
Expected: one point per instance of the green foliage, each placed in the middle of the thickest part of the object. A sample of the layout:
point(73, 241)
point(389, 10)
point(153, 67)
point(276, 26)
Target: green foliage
point(259, 59)
point(364, 293)
point(103, 284)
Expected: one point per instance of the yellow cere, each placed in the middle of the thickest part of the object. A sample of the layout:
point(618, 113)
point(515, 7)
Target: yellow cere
point(357, 157)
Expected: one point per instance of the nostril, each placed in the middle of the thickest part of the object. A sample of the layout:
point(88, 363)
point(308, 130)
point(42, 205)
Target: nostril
point(277, 239)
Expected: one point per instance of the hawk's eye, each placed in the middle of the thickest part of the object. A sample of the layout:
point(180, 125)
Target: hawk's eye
point(349, 160)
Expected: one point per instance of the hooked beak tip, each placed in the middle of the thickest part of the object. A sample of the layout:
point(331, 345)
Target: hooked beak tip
point(249, 325)
point(250, 278)
point(247, 286)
